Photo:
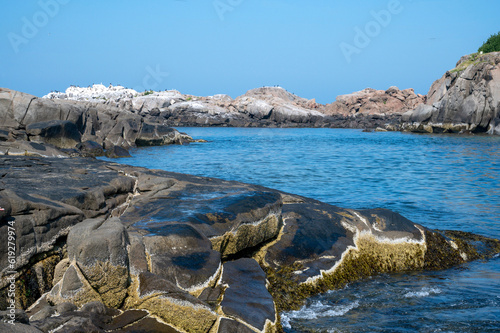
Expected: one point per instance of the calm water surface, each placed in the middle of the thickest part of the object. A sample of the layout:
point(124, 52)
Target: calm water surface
point(439, 181)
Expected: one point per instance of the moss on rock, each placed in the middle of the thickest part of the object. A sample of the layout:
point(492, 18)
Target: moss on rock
point(370, 256)
point(174, 309)
point(109, 281)
point(450, 248)
point(247, 235)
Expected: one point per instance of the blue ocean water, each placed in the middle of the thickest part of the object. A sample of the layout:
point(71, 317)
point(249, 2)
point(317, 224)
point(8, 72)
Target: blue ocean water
point(439, 181)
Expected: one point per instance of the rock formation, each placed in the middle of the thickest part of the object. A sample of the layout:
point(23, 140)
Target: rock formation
point(465, 100)
point(103, 245)
point(44, 127)
point(261, 107)
point(376, 102)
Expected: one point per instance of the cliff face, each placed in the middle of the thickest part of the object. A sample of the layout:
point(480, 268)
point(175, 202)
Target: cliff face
point(42, 127)
point(465, 99)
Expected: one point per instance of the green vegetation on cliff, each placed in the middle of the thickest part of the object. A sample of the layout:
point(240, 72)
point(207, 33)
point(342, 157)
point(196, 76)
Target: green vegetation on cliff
point(491, 45)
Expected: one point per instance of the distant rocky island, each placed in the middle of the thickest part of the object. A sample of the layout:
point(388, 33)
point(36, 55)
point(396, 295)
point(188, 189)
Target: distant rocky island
point(102, 247)
point(465, 100)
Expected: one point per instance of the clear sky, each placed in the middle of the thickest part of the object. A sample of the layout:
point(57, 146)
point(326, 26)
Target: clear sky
point(315, 49)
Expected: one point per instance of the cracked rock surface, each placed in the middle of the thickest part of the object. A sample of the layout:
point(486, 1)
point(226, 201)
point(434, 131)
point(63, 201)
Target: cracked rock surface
point(108, 246)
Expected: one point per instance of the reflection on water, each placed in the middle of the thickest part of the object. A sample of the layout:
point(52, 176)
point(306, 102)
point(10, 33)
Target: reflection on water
point(439, 181)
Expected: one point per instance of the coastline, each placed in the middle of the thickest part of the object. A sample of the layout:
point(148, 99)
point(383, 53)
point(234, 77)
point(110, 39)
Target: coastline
point(110, 238)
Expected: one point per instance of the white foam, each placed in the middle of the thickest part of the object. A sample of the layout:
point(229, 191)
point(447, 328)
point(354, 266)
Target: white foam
point(424, 292)
point(317, 310)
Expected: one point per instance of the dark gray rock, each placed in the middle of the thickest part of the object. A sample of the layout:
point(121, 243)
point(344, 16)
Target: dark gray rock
point(43, 313)
point(148, 325)
point(181, 254)
point(94, 307)
point(117, 152)
point(159, 135)
point(65, 123)
point(60, 133)
point(233, 217)
point(66, 307)
point(211, 295)
point(55, 195)
point(17, 315)
point(13, 107)
point(4, 135)
point(27, 148)
point(96, 240)
point(227, 325)
point(125, 319)
point(153, 240)
point(246, 296)
point(18, 328)
point(325, 239)
point(71, 283)
point(90, 149)
point(100, 250)
point(80, 325)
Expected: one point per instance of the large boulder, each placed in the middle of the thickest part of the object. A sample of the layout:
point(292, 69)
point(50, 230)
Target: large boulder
point(13, 107)
point(98, 249)
point(44, 205)
point(159, 135)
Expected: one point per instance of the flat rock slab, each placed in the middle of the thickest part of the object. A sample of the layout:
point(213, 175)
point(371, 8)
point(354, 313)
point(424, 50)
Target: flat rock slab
point(28, 148)
point(186, 223)
point(246, 296)
point(213, 210)
point(45, 197)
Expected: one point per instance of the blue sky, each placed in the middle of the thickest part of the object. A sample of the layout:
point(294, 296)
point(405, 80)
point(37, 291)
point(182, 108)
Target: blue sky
point(315, 49)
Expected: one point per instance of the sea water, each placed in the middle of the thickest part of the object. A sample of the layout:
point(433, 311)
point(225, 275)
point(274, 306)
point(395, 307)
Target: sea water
point(439, 181)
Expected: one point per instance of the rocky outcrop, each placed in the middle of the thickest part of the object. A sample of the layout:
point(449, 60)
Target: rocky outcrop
point(57, 128)
point(376, 102)
point(104, 245)
point(261, 107)
point(465, 100)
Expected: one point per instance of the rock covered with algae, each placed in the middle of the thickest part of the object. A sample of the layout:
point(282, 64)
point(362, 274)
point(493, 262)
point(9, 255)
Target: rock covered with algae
point(188, 253)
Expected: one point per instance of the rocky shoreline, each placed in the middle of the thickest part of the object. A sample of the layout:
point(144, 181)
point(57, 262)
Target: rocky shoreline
point(99, 242)
point(103, 247)
point(465, 100)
